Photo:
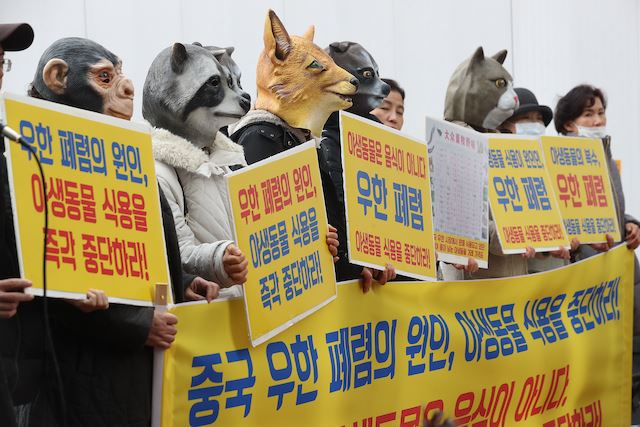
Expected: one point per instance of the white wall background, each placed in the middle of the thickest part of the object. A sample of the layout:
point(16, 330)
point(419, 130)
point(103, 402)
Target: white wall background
point(553, 45)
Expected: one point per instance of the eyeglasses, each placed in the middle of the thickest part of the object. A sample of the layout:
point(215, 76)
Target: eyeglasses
point(6, 65)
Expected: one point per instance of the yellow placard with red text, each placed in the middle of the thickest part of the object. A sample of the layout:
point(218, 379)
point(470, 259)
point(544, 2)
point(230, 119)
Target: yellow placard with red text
point(522, 200)
point(579, 174)
point(387, 198)
point(105, 228)
point(550, 349)
point(281, 225)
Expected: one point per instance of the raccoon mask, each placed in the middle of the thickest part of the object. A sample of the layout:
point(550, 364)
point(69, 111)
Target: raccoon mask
point(190, 94)
point(297, 81)
point(357, 61)
point(480, 92)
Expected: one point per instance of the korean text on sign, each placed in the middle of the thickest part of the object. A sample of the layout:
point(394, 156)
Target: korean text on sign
point(580, 178)
point(387, 197)
point(105, 230)
point(281, 225)
point(522, 200)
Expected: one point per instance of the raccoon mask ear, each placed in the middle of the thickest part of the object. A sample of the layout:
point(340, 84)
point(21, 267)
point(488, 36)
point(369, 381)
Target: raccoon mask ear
point(178, 57)
point(230, 50)
point(477, 58)
point(311, 31)
point(219, 53)
point(197, 44)
point(500, 56)
point(276, 39)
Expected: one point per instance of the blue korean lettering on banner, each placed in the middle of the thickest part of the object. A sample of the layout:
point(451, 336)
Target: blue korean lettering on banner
point(428, 336)
point(301, 355)
point(39, 138)
point(353, 352)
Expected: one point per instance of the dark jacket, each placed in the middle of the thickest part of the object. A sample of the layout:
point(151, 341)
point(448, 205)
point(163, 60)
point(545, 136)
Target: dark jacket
point(331, 165)
point(262, 139)
point(105, 367)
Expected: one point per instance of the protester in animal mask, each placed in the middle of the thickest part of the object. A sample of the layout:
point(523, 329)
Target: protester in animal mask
point(188, 96)
point(531, 118)
point(299, 86)
point(391, 111)
point(480, 95)
point(111, 348)
point(355, 59)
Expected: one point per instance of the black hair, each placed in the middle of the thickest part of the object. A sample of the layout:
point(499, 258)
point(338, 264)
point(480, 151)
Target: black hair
point(572, 105)
point(394, 86)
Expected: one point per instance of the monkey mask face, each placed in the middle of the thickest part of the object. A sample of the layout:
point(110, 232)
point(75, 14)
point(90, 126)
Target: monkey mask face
point(83, 74)
point(297, 81)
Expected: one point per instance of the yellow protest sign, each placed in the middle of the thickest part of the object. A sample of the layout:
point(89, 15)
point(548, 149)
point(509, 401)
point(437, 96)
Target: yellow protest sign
point(387, 198)
point(105, 230)
point(458, 160)
point(522, 200)
point(580, 178)
point(281, 224)
point(536, 350)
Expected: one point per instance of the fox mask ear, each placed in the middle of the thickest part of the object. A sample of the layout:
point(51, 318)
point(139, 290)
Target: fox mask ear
point(500, 56)
point(276, 39)
point(311, 31)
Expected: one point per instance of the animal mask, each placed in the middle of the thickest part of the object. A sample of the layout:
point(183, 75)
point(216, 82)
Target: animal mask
point(190, 94)
point(480, 92)
point(297, 81)
point(357, 61)
point(83, 74)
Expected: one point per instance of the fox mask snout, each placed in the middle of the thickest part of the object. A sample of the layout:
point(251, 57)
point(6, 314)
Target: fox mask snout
point(298, 81)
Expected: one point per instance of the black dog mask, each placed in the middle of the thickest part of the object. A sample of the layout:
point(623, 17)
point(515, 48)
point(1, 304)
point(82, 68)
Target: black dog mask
point(357, 61)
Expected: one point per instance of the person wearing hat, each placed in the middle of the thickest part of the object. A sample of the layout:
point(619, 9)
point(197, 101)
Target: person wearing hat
point(530, 118)
point(13, 37)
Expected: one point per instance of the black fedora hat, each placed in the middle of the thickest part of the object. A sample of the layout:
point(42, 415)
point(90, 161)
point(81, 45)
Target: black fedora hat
point(15, 37)
point(529, 102)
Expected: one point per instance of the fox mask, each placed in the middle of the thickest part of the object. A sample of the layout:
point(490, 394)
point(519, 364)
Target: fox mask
point(297, 81)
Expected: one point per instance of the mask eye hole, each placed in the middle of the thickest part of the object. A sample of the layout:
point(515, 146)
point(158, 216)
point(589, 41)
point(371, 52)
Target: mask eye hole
point(315, 65)
point(367, 74)
point(214, 81)
point(500, 83)
point(104, 77)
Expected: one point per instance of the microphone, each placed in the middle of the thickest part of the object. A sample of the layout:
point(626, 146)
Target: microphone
point(7, 132)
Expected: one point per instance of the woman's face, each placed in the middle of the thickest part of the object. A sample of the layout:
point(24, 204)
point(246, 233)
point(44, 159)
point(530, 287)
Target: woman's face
point(591, 117)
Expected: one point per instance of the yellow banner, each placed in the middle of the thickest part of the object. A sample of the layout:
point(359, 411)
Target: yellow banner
point(580, 175)
point(542, 350)
point(387, 198)
point(281, 225)
point(105, 230)
point(522, 200)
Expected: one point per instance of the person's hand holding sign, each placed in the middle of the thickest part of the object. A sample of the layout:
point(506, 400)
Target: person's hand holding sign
point(633, 235)
point(96, 300)
point(235, 264)
point(333, 243)
point(604, 247)
point(11, 295)
point(201, 289)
